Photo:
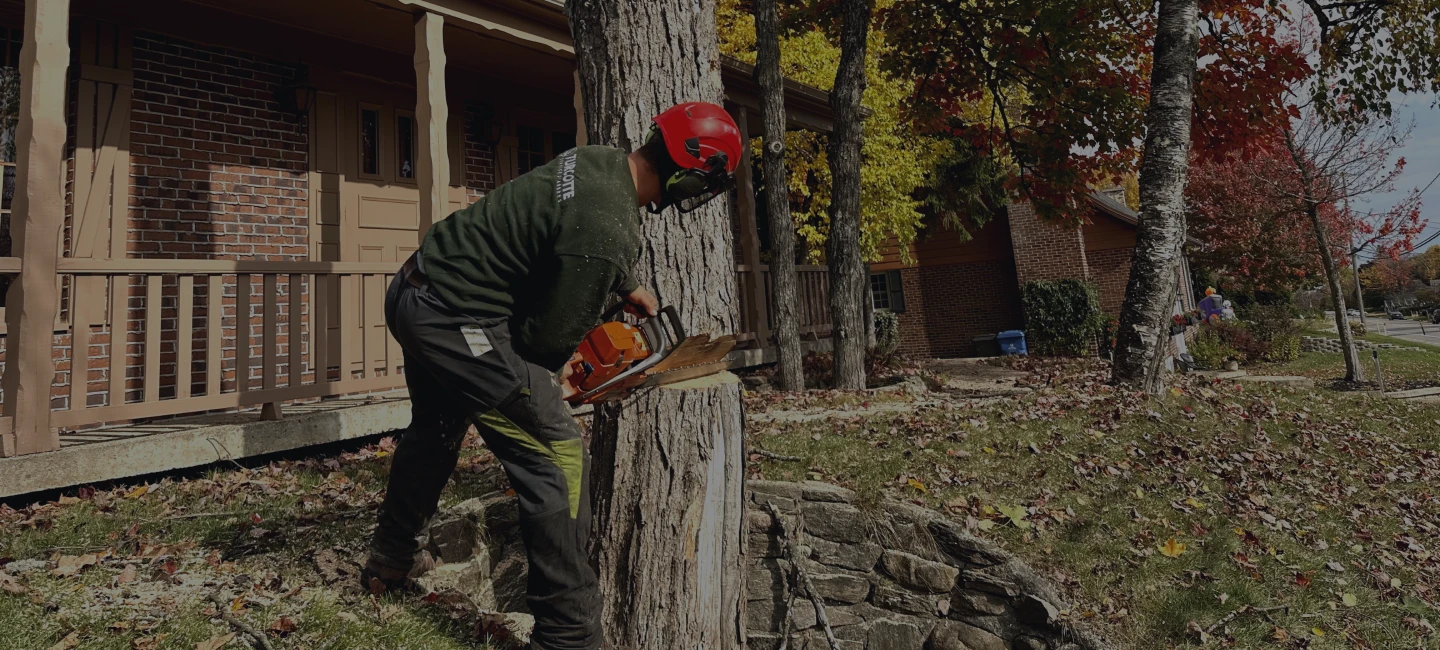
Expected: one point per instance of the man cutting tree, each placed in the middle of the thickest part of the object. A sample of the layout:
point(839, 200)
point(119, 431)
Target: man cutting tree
point(488, 313)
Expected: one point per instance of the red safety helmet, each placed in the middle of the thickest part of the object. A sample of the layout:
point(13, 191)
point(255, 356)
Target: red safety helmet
point(705, 144)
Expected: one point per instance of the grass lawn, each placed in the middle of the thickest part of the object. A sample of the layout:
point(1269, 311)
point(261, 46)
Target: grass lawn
point(133, 568)
point(1310, 516)
point(1402, 368)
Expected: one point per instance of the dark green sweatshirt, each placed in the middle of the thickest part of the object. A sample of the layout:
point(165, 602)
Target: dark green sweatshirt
point(546, 250)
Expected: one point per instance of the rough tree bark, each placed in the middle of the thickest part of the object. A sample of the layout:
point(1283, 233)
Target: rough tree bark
point(1154, 269)
point(777, 195)
point(1353, 370)
point(668, 463)
point(842, 251)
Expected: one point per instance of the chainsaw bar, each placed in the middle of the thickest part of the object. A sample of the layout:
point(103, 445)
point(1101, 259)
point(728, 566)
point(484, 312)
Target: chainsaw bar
point(696, 356)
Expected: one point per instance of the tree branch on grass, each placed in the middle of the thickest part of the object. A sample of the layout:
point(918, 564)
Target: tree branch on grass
point(257, 639)
point(803, 578)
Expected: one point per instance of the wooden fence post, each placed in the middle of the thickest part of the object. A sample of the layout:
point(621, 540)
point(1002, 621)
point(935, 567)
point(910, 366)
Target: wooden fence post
point(39, 213)
point(432, 114)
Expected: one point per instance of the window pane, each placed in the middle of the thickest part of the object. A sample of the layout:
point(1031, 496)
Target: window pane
point(531, 146)
point(563, 141)
point(879, 291)
point(369, 142)
point(405, 137)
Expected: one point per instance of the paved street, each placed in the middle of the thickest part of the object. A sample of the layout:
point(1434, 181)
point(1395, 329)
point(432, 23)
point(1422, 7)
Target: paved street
point(1406, 329)
point(1401, 329)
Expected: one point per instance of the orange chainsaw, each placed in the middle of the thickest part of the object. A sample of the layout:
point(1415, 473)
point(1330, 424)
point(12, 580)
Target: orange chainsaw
point(615, 358)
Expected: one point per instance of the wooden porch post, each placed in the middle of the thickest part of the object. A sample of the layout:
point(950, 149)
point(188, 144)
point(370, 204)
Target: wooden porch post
point(39, 213)
point(432, 114)
point(757, 309)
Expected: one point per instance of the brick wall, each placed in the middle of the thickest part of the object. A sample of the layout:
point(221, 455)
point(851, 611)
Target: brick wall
point(218, 170)
point(1110, 270)
point(1044, 250)
point(947, 306)
point(479, 158)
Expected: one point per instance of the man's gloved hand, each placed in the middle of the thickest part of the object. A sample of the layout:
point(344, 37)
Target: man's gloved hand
point(641, 302)
point(567, 389)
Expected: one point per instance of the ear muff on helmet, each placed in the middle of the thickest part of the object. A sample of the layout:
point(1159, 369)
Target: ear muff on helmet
point(688, 189)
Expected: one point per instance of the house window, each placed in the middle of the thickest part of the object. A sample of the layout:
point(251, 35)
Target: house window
point(405, 141)
point(562, 142)
point(530, 148)
point(887, 291)
point(10, 41)
point(369, 142)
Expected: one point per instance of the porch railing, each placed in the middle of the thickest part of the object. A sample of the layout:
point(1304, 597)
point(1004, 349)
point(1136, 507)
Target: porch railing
point(758, 320)
point(147, 339)
point(206, 335)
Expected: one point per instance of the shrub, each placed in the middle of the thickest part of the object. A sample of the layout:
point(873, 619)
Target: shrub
point(1284, 350)
point(1275, 327)
point(1062, 317)
point(1248, 347)
point(1357, 329)
point(1211, 350)
point(1109, 326)
point(887, 332)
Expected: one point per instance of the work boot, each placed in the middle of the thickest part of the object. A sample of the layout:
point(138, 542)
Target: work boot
point(380, 578)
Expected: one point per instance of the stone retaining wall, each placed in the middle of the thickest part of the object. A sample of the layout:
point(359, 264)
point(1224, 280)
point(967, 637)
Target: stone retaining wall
point(897, 577)
point(1332, 346)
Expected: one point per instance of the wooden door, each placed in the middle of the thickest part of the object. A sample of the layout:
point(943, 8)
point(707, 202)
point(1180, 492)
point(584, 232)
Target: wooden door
point(366, 205)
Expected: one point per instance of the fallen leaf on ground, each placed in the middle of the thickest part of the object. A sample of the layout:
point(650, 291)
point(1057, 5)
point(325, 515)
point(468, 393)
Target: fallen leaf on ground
point(148, 642)
point(215, 643)
point(69, 565)
point(9, 585)
point(1172, 548)
point(70, 641)
point(137, 492)
point(283, 626)
point(127, 575)
point(1349, 600)
point(917, 485)
point(1016, 514)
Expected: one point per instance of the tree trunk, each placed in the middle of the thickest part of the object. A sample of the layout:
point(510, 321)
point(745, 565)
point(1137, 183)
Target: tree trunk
point(777, 196)
point(1154, 270)
point(1353, 370)
point(842, 252)
point(668, 463)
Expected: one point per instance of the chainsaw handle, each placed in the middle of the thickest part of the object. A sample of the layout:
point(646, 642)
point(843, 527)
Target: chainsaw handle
point(670, 313)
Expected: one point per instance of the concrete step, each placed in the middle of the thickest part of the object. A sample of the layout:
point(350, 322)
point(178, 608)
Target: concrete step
point(1283, 380)
point(1412, 394)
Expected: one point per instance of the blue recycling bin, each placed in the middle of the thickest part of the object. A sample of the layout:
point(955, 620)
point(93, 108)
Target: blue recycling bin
point(1011, 342)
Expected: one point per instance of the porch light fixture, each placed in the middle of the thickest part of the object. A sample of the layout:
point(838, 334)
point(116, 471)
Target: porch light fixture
point(487, 128)
point(297, 96)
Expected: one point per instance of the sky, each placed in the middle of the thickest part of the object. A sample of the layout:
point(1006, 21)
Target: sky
point(1422, 162)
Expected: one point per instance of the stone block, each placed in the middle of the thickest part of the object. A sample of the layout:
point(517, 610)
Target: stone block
point(1029, 643)
point(510, 576)
point(817, 491)
point(843, 616)
point(764, 545)
point(760, 522)
point(915, 572)
point(961, 545)
point(764, 581)
point(891, 596)
point(895, 635)
point(454, 539)
point(859, 557)
point(784, 489)
point(963, 603)
point(1037, 612)
point(954, 635)
point(981, 582)
point(764, 615)
point(762, 641)
point(836, 522)
point(471, 578)
point(840, 588)
point(783, 504)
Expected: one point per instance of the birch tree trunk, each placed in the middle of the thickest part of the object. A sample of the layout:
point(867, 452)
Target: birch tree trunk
point(1154, 270)
point(668, 464)
point(777, 196)
point(1353, 370)
point(842, 252)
